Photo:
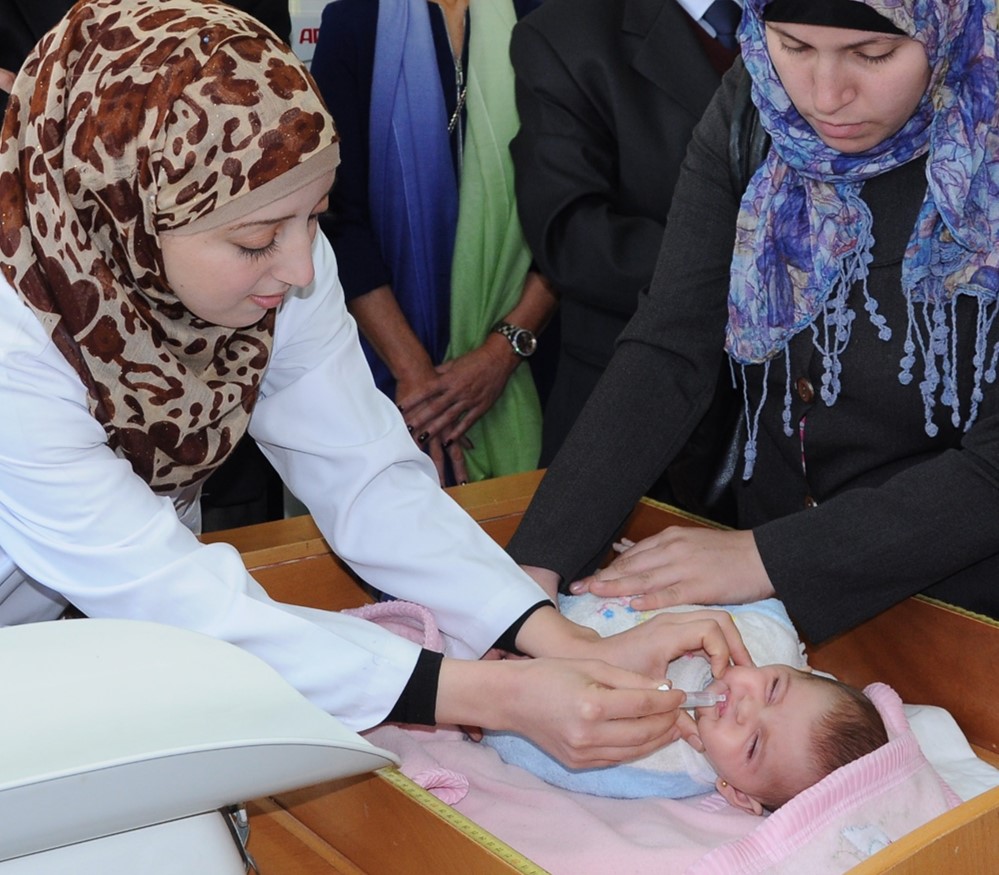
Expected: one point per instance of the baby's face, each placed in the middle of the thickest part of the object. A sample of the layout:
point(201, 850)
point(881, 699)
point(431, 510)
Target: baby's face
point(760, 736)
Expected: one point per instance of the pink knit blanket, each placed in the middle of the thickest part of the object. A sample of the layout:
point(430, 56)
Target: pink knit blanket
point(826, 830)
point(562, 832)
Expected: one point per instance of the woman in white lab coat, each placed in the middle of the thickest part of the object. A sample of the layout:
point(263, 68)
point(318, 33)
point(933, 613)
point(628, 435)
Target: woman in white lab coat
point(164, 290)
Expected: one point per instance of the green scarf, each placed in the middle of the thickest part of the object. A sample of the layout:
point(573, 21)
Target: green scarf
point(491, 258)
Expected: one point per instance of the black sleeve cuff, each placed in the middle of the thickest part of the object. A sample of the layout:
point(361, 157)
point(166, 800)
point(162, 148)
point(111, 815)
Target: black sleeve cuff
point(418, 702)
point(508, 640)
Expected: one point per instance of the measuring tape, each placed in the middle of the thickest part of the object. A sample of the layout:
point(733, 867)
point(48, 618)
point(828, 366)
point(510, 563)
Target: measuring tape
point(508, 855)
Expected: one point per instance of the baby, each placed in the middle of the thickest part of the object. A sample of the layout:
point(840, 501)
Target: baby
point(780, 729)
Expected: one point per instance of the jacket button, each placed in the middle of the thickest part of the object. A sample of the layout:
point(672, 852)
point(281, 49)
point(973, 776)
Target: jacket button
point(810, 502)
point(806, 392)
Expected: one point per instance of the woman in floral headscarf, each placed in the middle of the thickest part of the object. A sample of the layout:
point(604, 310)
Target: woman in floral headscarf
point(162, 167)
point(858, 314)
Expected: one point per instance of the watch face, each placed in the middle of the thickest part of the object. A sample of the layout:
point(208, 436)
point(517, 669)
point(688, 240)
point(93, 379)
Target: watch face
point(524, 342)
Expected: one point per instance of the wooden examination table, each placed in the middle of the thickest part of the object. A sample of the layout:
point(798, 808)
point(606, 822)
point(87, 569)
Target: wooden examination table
point(384, 825)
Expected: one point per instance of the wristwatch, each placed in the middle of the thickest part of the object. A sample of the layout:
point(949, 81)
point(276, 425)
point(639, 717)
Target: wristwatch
point(522, 340)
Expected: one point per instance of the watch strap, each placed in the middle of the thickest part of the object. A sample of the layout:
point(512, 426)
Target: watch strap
point(522, 340)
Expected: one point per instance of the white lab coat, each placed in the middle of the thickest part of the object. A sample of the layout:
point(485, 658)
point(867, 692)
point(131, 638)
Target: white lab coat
point(77, 524)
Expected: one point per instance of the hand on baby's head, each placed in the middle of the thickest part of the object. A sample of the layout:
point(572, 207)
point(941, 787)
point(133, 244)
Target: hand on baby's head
point(781, 730)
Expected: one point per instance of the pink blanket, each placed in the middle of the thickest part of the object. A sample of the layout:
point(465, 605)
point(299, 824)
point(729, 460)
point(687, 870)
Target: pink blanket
point(825, 830)
point(577, 834)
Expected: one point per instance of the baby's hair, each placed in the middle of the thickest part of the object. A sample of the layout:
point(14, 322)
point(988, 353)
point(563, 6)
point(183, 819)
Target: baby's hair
point(850, 729)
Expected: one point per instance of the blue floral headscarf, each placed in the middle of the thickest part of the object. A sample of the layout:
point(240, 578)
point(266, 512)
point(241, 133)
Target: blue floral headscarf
point(804, 235)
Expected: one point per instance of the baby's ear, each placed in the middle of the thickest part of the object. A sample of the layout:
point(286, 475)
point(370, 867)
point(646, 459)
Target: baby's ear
point(735, 797)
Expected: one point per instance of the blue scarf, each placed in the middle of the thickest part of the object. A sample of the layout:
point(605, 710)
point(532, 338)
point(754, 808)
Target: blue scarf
point(804, 235)
point(413, 192)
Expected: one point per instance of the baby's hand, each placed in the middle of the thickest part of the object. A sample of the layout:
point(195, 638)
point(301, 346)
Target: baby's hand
point(688, 732)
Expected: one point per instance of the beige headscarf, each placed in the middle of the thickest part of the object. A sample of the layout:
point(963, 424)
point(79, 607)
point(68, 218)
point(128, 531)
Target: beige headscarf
point(130, 118)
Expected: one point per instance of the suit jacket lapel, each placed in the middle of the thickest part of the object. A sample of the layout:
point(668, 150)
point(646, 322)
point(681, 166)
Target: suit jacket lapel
point(677, 66)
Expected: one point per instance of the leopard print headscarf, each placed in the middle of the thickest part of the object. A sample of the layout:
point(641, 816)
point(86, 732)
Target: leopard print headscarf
point(130, 118)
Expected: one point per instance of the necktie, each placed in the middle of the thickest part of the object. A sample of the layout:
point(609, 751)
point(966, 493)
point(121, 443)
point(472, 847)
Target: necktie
point(723, 16)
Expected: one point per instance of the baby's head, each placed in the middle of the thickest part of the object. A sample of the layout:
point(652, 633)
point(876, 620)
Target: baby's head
point(781, 730)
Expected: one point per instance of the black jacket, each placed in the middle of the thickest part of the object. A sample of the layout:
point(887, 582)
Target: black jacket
point(882, 511)
point(608, 93)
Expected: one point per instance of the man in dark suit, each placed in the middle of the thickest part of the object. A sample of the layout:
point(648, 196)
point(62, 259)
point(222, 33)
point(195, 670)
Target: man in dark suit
point(608, 92)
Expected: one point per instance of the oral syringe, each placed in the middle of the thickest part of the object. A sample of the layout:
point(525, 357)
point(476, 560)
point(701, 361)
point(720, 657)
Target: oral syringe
point(702, 699)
